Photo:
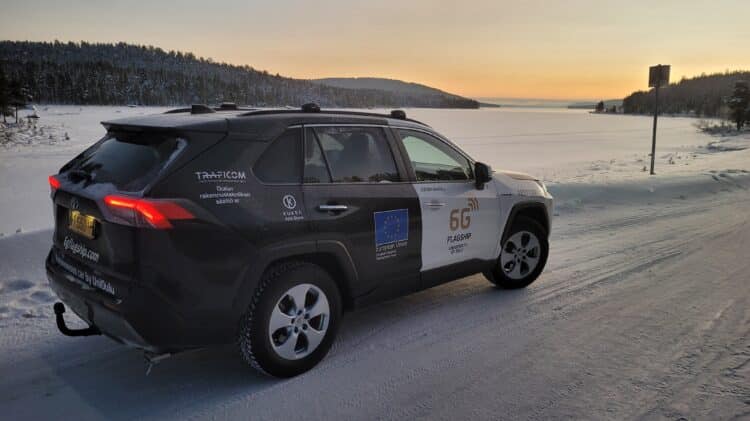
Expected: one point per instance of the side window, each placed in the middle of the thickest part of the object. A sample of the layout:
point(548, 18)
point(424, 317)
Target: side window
point(280, 162)
point(434, 160)
point(357, 154)
point(316, 170)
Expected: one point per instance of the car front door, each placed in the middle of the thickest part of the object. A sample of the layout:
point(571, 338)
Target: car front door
point(460, 223)
point(358, 198)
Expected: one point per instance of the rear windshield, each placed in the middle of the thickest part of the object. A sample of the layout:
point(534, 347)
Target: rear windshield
point(129, 161)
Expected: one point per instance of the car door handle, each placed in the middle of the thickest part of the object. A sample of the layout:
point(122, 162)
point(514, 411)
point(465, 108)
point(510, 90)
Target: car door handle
point(332, 208)
point(435, 205)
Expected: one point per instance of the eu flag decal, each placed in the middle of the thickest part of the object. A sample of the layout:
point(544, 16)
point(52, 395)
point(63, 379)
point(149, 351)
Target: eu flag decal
point(391, 226)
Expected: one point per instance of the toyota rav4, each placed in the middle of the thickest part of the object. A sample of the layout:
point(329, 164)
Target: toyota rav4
point(206, 226)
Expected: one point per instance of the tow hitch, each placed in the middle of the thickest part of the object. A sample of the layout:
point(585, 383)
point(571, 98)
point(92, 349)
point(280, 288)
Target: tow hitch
point(65, 330)
point(152, 359)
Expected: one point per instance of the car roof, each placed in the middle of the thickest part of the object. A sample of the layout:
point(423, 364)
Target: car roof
point(262, 123)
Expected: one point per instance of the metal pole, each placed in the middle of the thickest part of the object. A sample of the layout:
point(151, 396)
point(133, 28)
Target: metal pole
point(653, 137)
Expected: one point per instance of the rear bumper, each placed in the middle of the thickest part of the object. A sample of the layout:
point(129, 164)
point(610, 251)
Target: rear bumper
point(136, 318)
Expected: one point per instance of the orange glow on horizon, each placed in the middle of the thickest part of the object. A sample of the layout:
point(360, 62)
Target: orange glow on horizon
point(577, 50)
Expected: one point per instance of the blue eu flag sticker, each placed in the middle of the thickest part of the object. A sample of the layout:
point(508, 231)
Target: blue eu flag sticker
point(391, 226)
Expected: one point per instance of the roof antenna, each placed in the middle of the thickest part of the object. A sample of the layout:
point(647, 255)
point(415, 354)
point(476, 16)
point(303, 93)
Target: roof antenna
point(228, 106)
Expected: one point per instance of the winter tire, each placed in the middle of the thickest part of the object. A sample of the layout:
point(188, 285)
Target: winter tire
point(292, 320)
point(522, 256)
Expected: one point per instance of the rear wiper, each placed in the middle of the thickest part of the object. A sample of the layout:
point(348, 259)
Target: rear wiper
point(78, 175)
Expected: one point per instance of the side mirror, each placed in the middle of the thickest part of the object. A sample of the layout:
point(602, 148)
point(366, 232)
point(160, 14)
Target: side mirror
point(482, 174)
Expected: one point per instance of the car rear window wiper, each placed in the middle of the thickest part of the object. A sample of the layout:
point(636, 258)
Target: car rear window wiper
point(77, 175)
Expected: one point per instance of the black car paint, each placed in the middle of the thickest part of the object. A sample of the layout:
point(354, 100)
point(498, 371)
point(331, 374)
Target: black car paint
point(188, 286)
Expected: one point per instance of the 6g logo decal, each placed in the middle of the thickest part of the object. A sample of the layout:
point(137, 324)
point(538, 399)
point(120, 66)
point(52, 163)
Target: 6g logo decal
point(461, 218)
point(464, 221)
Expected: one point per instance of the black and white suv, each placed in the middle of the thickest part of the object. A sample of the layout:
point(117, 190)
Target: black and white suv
point(206, 226)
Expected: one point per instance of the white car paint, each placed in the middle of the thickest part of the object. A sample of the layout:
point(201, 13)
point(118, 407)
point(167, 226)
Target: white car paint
point(457, 228)
point(459, 222)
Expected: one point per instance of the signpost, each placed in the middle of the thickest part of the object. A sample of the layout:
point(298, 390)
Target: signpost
point(658, 76)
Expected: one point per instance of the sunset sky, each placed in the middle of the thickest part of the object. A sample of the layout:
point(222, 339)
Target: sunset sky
point(575, 49)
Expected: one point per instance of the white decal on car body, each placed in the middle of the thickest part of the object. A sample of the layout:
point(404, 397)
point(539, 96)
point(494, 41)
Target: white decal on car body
point(223, 176)
point(80, 250)
point(459, 223)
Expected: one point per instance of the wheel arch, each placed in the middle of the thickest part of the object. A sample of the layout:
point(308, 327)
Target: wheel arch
point(331, 264)
point(535, 211)
point(332, 256)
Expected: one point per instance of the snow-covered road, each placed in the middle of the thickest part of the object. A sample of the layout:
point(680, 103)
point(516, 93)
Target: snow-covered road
point(643, 312)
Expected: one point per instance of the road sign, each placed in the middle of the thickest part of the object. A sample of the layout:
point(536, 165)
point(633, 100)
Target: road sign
point(658, 76)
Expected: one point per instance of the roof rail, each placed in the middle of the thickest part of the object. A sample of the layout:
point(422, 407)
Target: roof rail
point(228, 106)
point(201, 109)
point(224, 106)
point(178, 110)
point(309, 108)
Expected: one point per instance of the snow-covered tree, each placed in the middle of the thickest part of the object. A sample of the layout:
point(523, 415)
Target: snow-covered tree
point(112, 74)
point(704, 95)
point(4, 99)
point(739, 103)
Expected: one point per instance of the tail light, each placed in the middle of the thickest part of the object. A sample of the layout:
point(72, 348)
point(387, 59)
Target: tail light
point(54, 183)
point(146, 212)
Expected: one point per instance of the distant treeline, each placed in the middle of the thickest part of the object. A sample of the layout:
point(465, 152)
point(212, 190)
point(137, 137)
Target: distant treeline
point(704, 96)
point(118, 74)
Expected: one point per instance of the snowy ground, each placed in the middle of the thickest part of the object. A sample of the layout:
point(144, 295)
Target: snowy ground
point(643, 312)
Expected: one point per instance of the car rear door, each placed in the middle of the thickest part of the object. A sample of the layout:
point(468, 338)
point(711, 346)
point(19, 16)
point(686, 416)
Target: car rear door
point(358, 198)
point(460, 223)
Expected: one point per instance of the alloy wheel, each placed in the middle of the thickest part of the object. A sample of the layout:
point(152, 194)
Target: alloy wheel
point(520, 255)
point(299, 321)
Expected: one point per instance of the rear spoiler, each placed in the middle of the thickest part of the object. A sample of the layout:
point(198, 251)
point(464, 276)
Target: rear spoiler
point(213, 122)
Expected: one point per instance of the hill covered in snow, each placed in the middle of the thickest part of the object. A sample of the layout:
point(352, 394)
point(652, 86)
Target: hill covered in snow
point(119, 74)
point(382, 84)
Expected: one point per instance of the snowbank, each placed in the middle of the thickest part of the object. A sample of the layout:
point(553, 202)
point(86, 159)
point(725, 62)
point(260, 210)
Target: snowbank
point(651, 191)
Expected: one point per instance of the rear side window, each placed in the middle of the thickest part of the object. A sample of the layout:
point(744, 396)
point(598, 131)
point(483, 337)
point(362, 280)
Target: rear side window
point(128, 161)
point(280, 162)
point(357, 154)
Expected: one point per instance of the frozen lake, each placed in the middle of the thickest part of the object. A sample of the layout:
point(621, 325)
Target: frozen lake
point(562, 145)
point(558, 145)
